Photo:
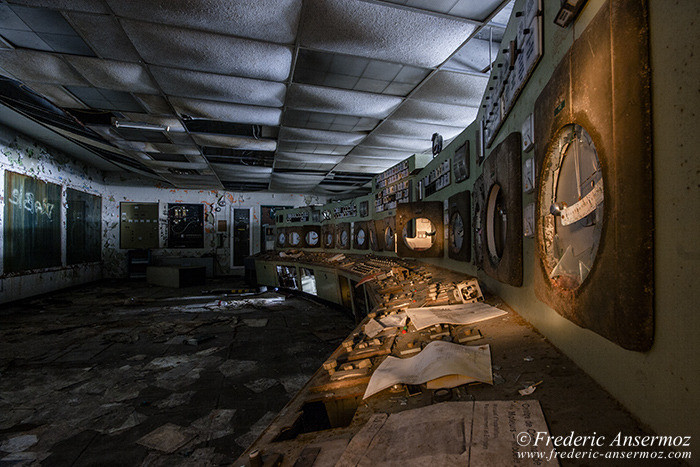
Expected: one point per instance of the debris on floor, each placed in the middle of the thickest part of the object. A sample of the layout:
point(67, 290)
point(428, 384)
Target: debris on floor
point(167, 438)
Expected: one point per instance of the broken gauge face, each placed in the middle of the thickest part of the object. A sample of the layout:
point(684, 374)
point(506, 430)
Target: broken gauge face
point(360, 237)
point(312, 238)
point(343, 237)
point(281, 238)
point(294, 238)
point(456, 233)
point(329, 239)
point(389, 238)
point(571, 207)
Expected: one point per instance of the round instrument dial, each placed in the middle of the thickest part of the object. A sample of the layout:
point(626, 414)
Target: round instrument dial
point(294, 238)
point(456, 233)
point(312, 238)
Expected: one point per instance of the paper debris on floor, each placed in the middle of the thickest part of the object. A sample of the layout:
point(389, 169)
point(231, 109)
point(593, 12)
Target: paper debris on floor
point(451, 433)
point(175, 399)
point(255, 322)
point(19, 443)
point(261, 385)
point(167, 438)
point(236, 367)
point(465, 313)
point(438, 360)
point(215, 425)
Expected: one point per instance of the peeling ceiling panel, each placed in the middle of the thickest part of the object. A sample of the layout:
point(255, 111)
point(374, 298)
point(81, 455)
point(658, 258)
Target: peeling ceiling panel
point(470, 9)
point(154, 104)
point(373, 30)
point(105, 35)
point(227, 112)
point(270, 20)
point(312, 148)
point(473, 57)
point(40, 67)
point(415, 130)
point(235, 142)
point(110, 74)
point(326, 121)
point(185, 83)
point(340, 101)
point(447, 87)
point(58, 96)
point(283, 164)
point(320, 136)
point(363, 168)
point(176, 149)
point(431, 112)
point(368, 161)
point(172, 122)
point(214, 53)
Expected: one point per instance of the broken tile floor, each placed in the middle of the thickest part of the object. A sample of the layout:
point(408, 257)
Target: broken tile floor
point(124, 373)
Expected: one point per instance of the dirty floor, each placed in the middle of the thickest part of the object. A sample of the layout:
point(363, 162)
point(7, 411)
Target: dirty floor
point(123, 373)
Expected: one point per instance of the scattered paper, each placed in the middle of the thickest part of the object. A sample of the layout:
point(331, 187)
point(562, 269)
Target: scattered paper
point(372, 328)
point(465, 313)
point(439, 359)
point(528, 390)
point(394, 321)
point(168, 438)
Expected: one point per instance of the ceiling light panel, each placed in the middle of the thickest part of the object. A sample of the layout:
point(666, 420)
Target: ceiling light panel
point(40, 67)
point(326, 121)
point(448, 87)
point(235, 142)
point(224, 111)
point(105, 99)
point(40, 29)
point(440, 114)
point(105, 35)
point(111, 74)
point(389, 142)
point(415, 130)
point(172, 122)
point(268, 20)
point(185, 83)
point(311, 148)
point(384, 32)
point(215, 53)
point(306, 135)
point(340, 101)
point(356, 73)
point(473, 57)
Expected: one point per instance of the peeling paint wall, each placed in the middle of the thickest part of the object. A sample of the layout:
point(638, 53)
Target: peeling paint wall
point(22, 155)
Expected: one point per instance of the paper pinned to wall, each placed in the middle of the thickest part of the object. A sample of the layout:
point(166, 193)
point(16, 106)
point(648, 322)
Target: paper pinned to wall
point(465, 313)
point(438, 360)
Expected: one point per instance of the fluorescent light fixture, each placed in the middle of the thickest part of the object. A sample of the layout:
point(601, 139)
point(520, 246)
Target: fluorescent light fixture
point(140, 126)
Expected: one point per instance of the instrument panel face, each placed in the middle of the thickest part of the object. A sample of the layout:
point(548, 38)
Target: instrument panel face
point(185, 225)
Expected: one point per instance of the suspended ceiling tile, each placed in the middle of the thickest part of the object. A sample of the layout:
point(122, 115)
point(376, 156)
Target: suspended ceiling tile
point(227, 112)
point(268, 20)
point(313, 148)
point(431, 112)
point(415, 130)
point(177, 165)
point(502, 17)
point(214, 53)
point(472, 57)
point(448, 87)
point(235, 142)
point(340, 101)
point(382, 141)
point(373, 30)
point(300, 157)
point(304, 165)
point(326, 121)
point(474, 9)
point(180, 138)
point(139, 146)
point(368, 161)
point(40, 67)
point(90, 6)
point(233, 169)
point(185, 83)
point(58, 96)
point(105, 35)
point(305, 135)
point(111, 74)
point(154, 104)
point(362, 168)
point(363, 151)
point(176, 149)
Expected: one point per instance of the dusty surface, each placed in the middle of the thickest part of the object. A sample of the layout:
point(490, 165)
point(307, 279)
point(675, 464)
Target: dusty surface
point(93, 376)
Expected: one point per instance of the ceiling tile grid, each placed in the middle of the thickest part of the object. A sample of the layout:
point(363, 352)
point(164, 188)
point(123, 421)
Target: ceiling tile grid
point(285, 94)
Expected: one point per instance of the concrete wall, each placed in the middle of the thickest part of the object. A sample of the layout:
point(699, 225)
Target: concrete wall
point(21, 155)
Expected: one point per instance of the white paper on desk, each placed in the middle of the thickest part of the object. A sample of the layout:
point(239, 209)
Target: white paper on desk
point(437, 360)
point(372, 328)
point(393, 321)
point(464, 313)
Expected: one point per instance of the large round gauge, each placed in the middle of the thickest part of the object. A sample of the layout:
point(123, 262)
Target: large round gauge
point(329, 239)
point(343, 238)
point(311, 238)
point(571, 207)
point(496, 223)
point(456, 233)
point(360, 237)
point(294, 238)
point(373, 239)
point(389, 238)
point(281, 238)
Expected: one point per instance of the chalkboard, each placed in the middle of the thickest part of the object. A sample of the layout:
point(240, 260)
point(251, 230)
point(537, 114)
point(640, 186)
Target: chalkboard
point(84, 227)
point(32, 237)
